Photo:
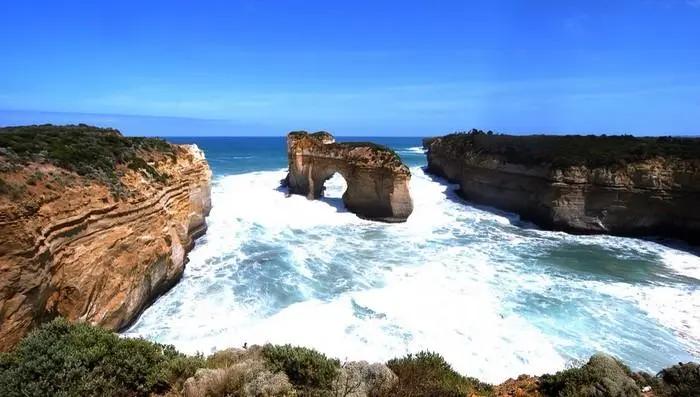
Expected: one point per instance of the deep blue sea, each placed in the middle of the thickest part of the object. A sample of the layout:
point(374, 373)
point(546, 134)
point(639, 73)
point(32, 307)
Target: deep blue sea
point(495, 296)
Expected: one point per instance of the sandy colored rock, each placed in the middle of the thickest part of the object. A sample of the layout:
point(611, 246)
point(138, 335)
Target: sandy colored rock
point(377, 180)
point(69, 248)
point(523, 386)
point(362, 379)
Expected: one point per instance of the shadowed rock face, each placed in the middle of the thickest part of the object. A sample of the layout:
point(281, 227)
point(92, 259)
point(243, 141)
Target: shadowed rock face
point(612, 185)
point(377, 179)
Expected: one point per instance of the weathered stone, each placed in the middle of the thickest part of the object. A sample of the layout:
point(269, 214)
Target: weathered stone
point(73, 250)
point(654, 196)
point(377, 179)
point(361, 379)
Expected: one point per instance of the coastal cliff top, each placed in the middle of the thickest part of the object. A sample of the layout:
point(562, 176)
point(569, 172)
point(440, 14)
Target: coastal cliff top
point(567, 150)
point(361, 154)
point(95, 154)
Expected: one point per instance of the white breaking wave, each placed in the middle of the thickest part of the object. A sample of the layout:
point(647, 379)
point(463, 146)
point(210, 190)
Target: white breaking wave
point(414, 150)
point(493, 298)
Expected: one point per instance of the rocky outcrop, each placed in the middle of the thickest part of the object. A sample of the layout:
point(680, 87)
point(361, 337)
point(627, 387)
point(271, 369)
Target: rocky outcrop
point(614, 185)
point(74, 248)
point(377, 179)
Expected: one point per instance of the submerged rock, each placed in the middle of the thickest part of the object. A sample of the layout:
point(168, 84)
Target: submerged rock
point(377, 179)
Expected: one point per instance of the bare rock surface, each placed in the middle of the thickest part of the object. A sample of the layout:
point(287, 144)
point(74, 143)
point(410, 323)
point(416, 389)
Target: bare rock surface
point(627, 186)
point(377, 179)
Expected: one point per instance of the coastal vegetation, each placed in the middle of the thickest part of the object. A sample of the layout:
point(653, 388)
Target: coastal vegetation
point(572, 150)
point(64, 359)
point(98, 154)
point(428, 374)
point(308, 370)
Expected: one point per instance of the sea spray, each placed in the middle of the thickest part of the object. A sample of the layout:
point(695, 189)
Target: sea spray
point(494, 295)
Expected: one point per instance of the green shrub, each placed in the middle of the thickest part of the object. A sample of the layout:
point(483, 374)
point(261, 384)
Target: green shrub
point(427, 374)
point(5, 188)
point(602, 376)
point(563, 151)
point(62, 359)
point(89, 151)
point(311, 372)
point(681, 380)
point(35, 177)
point(12, 190)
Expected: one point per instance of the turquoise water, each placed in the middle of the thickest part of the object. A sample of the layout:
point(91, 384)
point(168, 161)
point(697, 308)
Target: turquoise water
point(496, 296)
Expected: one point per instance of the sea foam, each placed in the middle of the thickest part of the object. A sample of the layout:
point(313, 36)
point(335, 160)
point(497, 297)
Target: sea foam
point(494, 295)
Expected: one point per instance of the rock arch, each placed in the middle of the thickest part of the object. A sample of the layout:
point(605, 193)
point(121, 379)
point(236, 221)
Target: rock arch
point(377, 180)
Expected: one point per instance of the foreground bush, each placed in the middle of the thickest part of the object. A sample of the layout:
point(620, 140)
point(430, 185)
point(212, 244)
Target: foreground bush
point(429, 375)
point(602, 376)
point(60, 359)
point(311, 372)
point(238, 372)
point(681, 380)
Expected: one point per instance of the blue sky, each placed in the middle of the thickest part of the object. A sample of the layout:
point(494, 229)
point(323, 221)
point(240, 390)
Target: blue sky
point(353, 67)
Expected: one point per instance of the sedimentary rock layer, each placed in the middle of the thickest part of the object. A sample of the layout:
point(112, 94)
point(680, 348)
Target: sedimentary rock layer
point(377, 179)
point(616, 185)
point(70, 248)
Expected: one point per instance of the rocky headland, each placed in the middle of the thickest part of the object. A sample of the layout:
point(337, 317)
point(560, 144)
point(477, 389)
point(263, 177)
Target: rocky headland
point(620, 185)
point(94, 225)
point(377, 180)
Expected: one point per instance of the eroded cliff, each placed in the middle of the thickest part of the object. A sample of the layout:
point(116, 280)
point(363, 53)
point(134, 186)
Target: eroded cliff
point(377, 180)
point(94, 226)
point(582, 184)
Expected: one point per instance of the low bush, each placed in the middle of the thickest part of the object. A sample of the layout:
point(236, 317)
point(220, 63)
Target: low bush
point(602, 376)
point(92, 152)
point(427, 374)
point(568, 150)
point(66, 360)
point(680, 380)
point(311, 372)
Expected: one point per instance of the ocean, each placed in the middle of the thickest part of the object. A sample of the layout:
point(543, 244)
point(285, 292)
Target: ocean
point(494, 295)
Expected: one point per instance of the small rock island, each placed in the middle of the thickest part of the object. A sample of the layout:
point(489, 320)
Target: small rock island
point(377, 179)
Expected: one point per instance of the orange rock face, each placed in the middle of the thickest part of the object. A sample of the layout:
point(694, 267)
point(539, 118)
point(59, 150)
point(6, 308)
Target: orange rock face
point(523, 386)
point(69, 248)
point(377, 179)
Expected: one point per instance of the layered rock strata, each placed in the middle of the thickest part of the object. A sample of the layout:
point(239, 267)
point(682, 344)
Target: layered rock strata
point(613, 185)
point(71, 248)
point(377, 180)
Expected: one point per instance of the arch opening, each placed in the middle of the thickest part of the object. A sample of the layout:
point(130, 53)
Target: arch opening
point(363, 178)
point(333, 189)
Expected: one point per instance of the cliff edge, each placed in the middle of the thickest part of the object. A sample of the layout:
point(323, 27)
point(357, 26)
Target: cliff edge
point(620, 185)
point(377, 179)
point(94, 225)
